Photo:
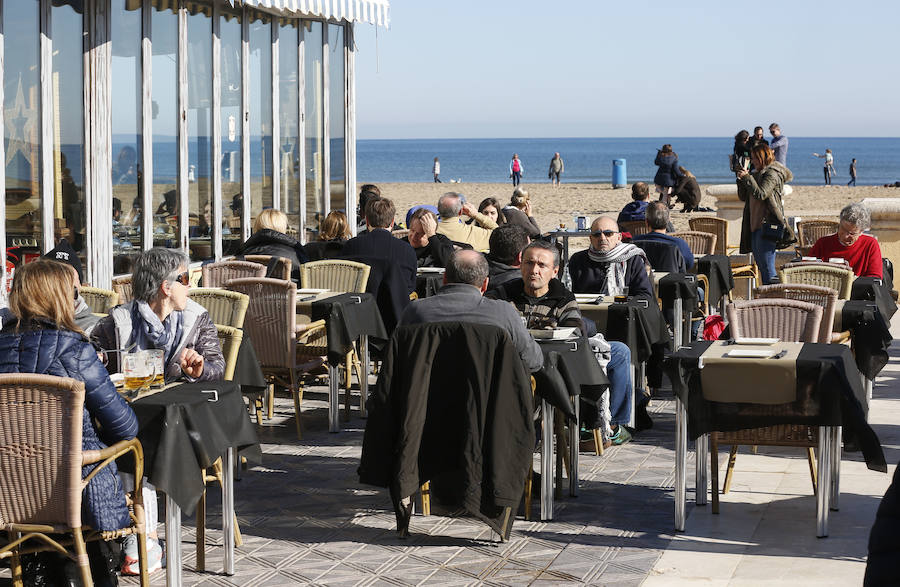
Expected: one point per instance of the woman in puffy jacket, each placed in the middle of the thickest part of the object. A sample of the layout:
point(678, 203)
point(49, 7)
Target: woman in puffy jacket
point(44, 339)
point(668, 173)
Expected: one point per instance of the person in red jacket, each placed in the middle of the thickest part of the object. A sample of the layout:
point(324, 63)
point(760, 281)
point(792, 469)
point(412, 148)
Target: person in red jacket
point(860, 250)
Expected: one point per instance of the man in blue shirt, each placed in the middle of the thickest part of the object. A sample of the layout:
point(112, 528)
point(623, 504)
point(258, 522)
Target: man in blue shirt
point(657, 219)
point(779, 144)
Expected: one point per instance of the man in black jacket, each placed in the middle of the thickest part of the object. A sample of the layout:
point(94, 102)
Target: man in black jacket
point(432, 249)
point(507, 243)
point(609, 265)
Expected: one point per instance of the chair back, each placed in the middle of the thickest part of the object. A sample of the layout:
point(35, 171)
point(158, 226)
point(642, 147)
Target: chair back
point(713, 225)
point(40, 449)
point(335, 274)
point(271, 319)
point(701, 243)
point(814, 294)
point(230, 341)
point(122, 286)
point(218, 274)
point(837, 278)
point(100, 301)
point(226, 308)
point(401, 234)
point(789, 320)
point(280, 270)
point(809, 231)
point(635, 227)
point(662, 256)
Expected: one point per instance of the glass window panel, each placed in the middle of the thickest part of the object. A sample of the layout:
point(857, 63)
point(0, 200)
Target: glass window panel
point(260, 112)
point(164, 37)
point(336, 103)
point(313, 125)
point(127, 176)
point(232, 164)
point(22, 126)
point(69, 210)
point(199, 123)
point(289, 121)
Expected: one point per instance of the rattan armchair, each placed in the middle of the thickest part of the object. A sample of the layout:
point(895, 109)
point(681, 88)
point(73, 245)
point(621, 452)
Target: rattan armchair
point(809, 231)
point(218, 274)
point(122, 286)
point(700, 243)
point(281, 269)
point(335, 275)
point(41, 460)
point(791, 321)
point(836, 277)
point(226, 308)
point(814, 294)
point(100, 301)
point(742, 267)
point(634, 227)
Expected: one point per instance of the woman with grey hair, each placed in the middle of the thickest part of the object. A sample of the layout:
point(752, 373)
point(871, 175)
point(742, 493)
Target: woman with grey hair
point(861, 251)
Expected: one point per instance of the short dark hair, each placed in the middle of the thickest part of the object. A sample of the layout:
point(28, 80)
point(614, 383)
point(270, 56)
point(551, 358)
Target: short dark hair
point(506, 242)
point(657, 215)
point(380, 212)
point(545, 246)
point(468, 267)
point(640, 191)
point(370, 189)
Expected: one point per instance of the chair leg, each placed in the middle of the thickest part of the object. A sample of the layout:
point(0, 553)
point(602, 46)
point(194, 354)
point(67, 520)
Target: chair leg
point(271, 403)
point(348, 373)
point(732, 458)
point(598, 442)
point(528, 479)
point(81, 558)
point(811, 457)
point(562, 442)
point(714, 470)
point(201, 533)
point(15, 563)
point(258, 408)
point(297, 392)
point(425, 490)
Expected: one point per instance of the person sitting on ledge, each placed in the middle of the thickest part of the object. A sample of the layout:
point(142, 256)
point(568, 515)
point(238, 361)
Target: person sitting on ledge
point(861, 251)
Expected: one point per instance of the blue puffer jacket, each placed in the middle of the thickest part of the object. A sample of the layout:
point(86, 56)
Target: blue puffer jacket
point(41, 348)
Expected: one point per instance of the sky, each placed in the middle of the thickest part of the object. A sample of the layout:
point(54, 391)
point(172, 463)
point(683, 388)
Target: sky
point(629, 68)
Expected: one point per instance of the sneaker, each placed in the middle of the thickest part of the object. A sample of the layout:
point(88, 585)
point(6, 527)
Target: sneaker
point(621, 436)
point(131, 566)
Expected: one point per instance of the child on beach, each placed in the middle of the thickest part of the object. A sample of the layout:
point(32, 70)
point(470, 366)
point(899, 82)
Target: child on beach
point(829, 165)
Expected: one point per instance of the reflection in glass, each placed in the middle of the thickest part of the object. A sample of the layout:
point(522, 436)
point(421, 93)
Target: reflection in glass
point(313, 125)
point(69, 211)
point(260, 112)
point(232, 200)
point(164, 37)
point(22, 126)
point(126, 134)
point(199, 124)
point(337, 176)
point(289, 122)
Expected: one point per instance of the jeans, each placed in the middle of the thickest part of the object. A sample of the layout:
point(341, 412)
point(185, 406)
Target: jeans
point(620, 389)
point(764, 255)
point(852, 181)
point(517, 177)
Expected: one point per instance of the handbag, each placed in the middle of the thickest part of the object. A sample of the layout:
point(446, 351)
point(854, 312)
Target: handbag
point(772, 230)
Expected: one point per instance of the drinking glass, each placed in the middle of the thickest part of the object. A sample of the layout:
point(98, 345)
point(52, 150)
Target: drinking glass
point(155, 360)
point(138, 371)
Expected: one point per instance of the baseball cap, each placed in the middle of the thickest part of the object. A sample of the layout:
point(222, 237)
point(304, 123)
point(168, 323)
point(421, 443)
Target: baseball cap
point(64, 253)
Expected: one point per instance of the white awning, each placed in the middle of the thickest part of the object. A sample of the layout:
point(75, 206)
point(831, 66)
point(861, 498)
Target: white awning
point(375, 12)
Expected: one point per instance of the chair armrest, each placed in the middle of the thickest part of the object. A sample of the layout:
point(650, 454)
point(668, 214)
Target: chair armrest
point(111, 453)
point(840, 337)
point(311, 326)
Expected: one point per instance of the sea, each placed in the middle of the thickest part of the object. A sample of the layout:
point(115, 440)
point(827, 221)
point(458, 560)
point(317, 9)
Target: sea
point(591, 160)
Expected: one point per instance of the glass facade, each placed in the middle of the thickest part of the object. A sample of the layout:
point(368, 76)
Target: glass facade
point(337, 176)
point(289, 122)
point(260, 112)
point(314, 126)
point(199, 128)
point(232, 129)
point(164, 104)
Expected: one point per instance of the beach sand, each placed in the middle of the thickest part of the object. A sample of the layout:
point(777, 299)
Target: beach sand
point(555, 205)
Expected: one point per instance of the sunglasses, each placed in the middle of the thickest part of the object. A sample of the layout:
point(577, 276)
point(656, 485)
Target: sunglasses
point(76, 294)
point(184, 279)
point(606, 233)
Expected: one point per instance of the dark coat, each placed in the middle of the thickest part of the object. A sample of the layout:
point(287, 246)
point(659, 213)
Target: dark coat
point(590, 277)
point(393, 271)
point(277, 244)
point(436, 253)
point(522, 220)
point(41, 348)
point(468, 431)
point(883, 563)
point(500, 273)
point(319, 250)
point(766, 185)
point(687, 191)
point(633, 211)
point(668, 173)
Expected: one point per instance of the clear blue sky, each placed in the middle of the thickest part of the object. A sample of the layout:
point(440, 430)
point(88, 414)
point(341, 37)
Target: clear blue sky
point(629, 68)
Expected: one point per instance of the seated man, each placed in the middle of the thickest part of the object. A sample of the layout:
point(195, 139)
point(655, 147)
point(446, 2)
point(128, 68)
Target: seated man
point(460, 300)
point(505, 258)
point(450, 206)
point(432, 249)
point(546, 303)
point(657, 220)
point(637, 209)
point(609, 265)
point(860, 250)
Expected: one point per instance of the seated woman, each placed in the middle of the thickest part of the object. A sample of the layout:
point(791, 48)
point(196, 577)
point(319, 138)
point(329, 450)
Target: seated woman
point(43, 338)
point(519, 213)
point(687, 191)
point(432, 249)
point(861, 251)
point(491, 208)
point(269, 238)
point(333, 233)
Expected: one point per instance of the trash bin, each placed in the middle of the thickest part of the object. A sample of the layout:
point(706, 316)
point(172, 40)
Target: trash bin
point(619, 175)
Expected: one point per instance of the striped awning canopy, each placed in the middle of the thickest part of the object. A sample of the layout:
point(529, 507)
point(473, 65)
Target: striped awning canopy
point(375, 12)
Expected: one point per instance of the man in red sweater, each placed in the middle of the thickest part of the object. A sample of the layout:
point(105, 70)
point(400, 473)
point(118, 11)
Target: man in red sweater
point(860, 250)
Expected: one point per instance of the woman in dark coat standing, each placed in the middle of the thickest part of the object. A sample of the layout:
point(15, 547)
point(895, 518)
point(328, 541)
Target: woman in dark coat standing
point(269, 238)
point(667, 175)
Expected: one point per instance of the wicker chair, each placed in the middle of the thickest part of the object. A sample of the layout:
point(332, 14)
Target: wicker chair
point(741, 267)
point(809, 231)
point(122, 286)
point(286, 349)
point(40, 472)
point(814, 294)
point(836, 277)
point(100, 301)
point(226, 308)
point(701, 243)
point(218, 274)
point(402, 233)
point(285, 265)
point(635, 227)
point(791, 321)
point(335, 275)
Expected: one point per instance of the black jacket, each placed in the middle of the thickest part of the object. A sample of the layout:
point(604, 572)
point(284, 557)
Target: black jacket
point(500, 273)
point(436, 253)
point(883, 563)
point(590, 277)
point(319, 250)
point(277, 244)
point(468, 431)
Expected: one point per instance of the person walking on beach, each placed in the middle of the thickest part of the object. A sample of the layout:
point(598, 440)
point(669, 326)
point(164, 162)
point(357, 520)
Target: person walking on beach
point(779, 143)
point(668, 173)
point(516, 170)
point(828, 170)
point(852, 173)
point(436, 170)
point(556, 168)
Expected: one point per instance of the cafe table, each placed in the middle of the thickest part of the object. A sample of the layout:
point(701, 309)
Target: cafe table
point(809, 384)
point(428, 281)
point(717, 269)
point(183, 429)
point(348, 317)
point(564, 235)
point(677, 293)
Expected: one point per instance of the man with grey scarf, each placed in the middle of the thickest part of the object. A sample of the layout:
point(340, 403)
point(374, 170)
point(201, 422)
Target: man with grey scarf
point(610, 266)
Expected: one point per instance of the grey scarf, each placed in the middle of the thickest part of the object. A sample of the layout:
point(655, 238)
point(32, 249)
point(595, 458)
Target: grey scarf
point(616, 261)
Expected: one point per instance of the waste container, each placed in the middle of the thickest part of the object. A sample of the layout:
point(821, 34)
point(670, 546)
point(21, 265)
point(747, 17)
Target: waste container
point(619, 175)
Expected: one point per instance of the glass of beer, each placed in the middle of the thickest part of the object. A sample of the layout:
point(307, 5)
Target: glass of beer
point(155, 359)
point(138, 371)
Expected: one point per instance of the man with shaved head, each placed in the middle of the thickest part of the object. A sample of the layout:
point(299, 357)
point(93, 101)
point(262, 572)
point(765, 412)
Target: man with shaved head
point(610, 266)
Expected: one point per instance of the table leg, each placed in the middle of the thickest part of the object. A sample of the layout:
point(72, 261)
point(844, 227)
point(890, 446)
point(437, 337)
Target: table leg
point(364, 382)
point(701, 468)
point(566, 278)
point(333, 401)
point(546, 460)
point(835, 467)
point(228, 509)
point(824, 482)
point(680, 462)
point(574, 442)
point(678, 322)
point(868, 384)
point(173, 543)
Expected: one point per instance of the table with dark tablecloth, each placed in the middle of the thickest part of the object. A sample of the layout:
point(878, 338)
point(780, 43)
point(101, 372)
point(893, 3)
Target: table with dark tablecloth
point(870, 334)
point(247, 372)
point(874, 289)
point(570, 369)
point(183, 431)
point(347, 317)
point(829, 393)
point(717, 269)
point(428, 284)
